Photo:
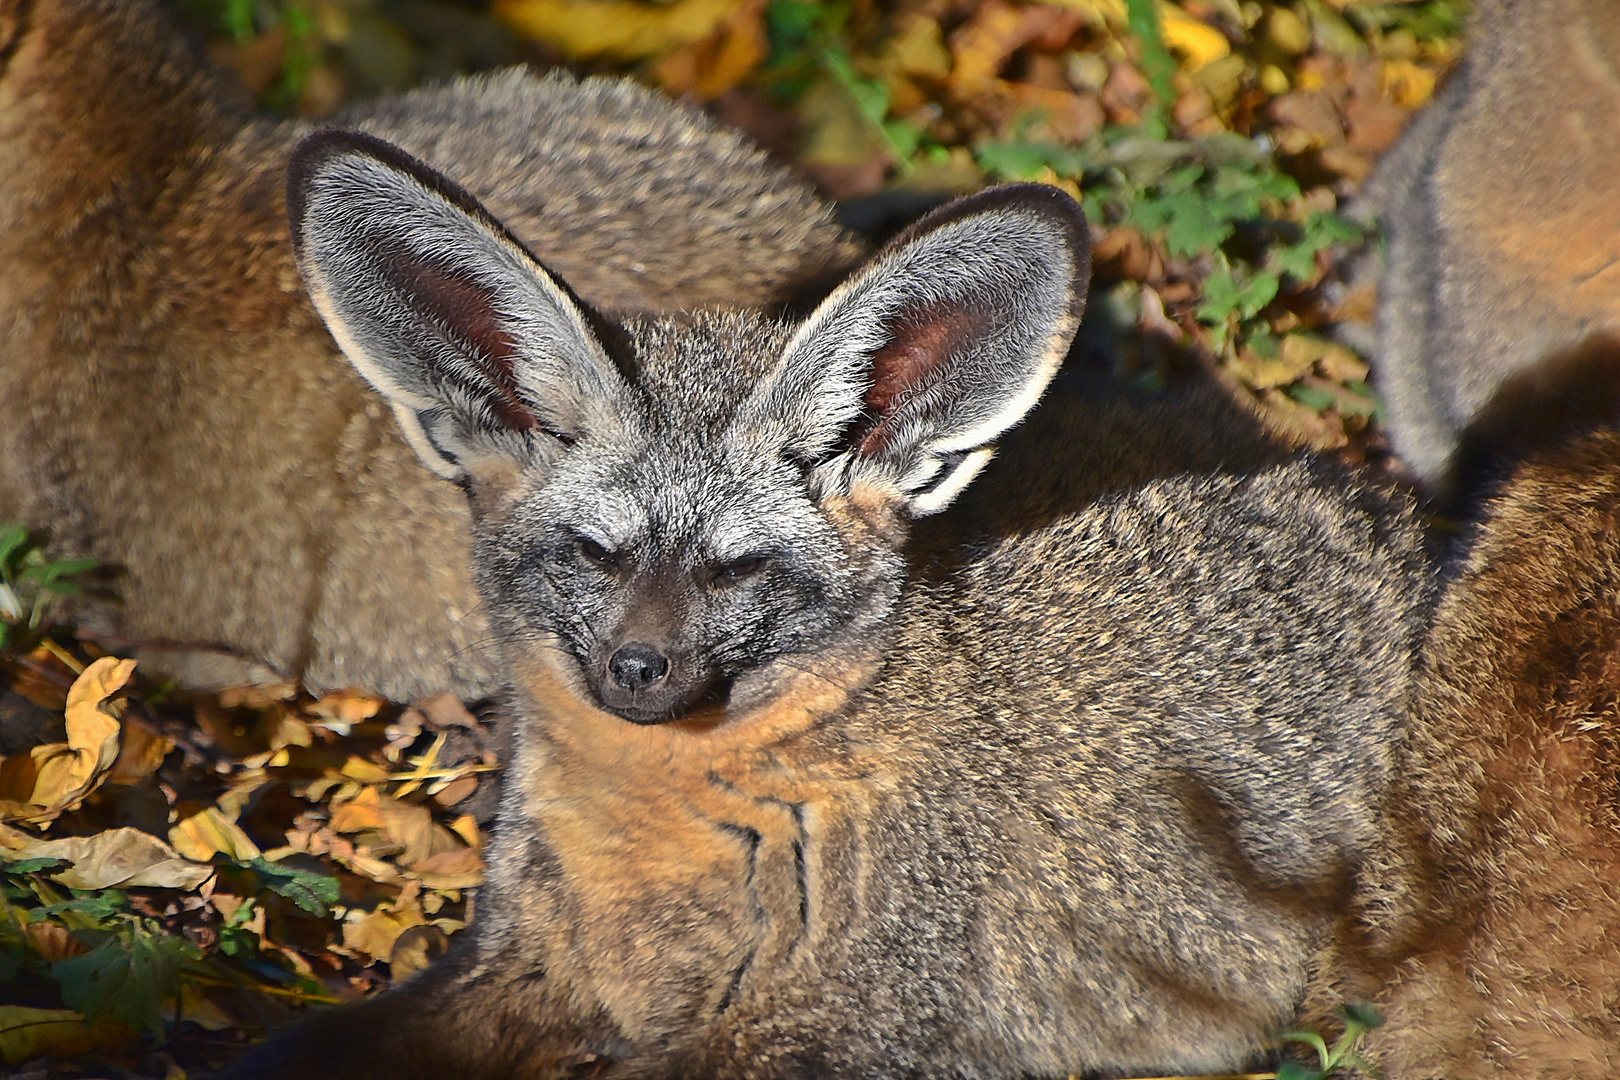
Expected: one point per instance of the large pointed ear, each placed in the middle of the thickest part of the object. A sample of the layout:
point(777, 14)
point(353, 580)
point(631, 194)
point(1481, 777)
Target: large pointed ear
point(905, 374)
point(482, 352)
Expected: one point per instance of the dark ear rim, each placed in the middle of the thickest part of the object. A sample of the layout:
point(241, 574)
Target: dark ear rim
point(319, 147)
point(1050, 202)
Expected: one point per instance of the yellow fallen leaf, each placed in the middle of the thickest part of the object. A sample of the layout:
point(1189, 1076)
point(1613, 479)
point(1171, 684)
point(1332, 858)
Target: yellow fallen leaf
point(1100, 13)
point(373, 934)
point(57, 776)
point(415, 949)
point(368, 772)
point(115, 858)
point(340, 710)
point(1407, 84)
point(198, 1007)
point(917, 48)
point(26, 1034)
point(358, 814)
point(211, 832)
point(710, 66)
point(614, 29)
point(1198, 42)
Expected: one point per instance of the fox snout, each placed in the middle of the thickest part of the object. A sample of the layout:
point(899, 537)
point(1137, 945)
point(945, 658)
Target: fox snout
point(648, 683)
point(637, 666)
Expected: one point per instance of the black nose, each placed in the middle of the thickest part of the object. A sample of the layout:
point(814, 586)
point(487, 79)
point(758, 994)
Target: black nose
point(636, 667)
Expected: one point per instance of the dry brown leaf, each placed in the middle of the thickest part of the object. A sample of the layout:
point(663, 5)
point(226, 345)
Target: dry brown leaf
point(415, 949)
point(614, 29)
point(1098, 13)
point(446, 711)
point(257, 697)
point(140, 754)
point(57, 776)
point(373, 935)
point(916, 48)
point(466, 827)
point(461, 868)
point(120, 858)
point(198, 1007)
point(358, 814)
point(212, 832)
point(451, 792)
point(340, 710)
point(53, 942)
point(996, 31)
point(714, 64)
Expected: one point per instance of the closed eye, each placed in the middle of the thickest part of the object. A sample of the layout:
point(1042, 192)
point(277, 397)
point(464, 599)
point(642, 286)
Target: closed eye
point(598, 556)
point(737, 571)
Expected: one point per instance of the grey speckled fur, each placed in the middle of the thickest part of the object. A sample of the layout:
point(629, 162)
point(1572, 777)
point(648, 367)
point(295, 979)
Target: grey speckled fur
point(1503, 235)
point(1076, 780)
point(169, 402)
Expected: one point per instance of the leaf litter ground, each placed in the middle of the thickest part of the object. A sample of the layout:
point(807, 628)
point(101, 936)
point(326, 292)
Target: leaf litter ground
point(181, 872)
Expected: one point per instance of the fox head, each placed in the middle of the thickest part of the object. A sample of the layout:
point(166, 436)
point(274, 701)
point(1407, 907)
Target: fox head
point(674, 510)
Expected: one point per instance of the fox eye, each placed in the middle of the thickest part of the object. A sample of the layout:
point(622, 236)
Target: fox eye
point(598, 556)
point(738, 570)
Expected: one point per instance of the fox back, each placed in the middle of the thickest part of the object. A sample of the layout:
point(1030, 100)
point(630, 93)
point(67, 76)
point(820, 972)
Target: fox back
point(1489, 931)
point(1503, 243)
point(171, 404)
point(1080, 793)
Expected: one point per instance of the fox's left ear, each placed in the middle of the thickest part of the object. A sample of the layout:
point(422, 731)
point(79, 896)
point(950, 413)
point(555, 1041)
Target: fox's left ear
point(906, 373)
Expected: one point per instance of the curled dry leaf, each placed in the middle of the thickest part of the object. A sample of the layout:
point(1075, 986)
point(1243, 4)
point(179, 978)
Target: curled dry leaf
point(117, 858)
point(50, 779)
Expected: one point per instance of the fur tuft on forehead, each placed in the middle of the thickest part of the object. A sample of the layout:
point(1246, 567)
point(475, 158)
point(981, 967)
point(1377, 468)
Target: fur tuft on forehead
point(695, 369)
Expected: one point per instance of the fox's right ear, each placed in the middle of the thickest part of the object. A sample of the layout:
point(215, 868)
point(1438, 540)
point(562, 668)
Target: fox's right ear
point(484, 355)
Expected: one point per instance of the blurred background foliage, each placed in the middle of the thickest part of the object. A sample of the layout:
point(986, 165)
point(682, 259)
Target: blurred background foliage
point(1214, 142)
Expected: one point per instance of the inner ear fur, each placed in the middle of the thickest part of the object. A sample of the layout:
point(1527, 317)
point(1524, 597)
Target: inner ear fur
point(907, 372)
point(481, 350)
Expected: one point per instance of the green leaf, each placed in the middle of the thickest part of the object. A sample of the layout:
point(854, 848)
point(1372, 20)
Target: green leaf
point(1024, 160)
point(791, 24)
point(126, 978)
point(1312, 397)
point(32, 866)
point(1225, 292)
point(1298, 261)
point(1311, 1039)
point(1293, 1070)
point(89, 910)
point(1157, 63)
point(315, 893)
point(13, 537)
point(1195, 227)
point(1361, 1014)
point(904, 137)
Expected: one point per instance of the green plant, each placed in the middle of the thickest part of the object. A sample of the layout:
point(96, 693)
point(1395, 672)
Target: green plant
point(810, 42)
point(30, 584)
point(1359, 1018)
point(1219, 201)
point(126, 966)
point(244, 21)
point(1157, 64)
